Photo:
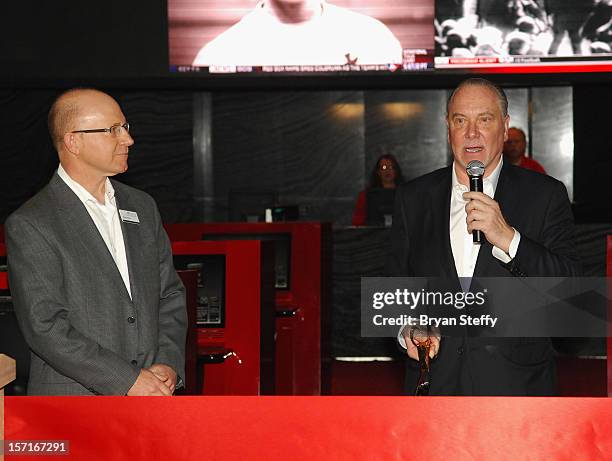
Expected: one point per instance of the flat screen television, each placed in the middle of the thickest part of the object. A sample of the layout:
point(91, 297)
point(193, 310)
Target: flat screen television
point(379, 206)
point(439, 42)
point(523, 36)
point(292, 36)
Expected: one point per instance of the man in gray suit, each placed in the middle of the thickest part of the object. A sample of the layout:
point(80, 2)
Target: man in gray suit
point(90, 266)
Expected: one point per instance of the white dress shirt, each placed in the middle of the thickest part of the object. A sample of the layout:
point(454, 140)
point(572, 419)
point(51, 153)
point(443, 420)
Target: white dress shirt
point(106, 218)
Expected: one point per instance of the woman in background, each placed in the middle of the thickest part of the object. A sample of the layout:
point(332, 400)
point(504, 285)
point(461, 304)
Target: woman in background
point(387, 174)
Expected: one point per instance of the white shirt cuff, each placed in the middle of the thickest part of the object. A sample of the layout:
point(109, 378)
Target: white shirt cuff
point(507, 257)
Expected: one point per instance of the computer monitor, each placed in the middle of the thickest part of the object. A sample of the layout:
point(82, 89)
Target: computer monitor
point(379, 206)
point(282, 252)
point(210, 311)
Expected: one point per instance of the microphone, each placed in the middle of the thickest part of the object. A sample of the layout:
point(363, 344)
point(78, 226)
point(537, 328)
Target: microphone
point(475, 170)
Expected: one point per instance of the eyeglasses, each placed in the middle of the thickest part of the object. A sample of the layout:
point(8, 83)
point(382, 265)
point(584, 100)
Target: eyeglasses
point(387, 167)
point(115, 130)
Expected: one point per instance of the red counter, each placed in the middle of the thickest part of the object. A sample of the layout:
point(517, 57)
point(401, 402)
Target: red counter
point(316, 428)
point(246, 344)
point(302, 310)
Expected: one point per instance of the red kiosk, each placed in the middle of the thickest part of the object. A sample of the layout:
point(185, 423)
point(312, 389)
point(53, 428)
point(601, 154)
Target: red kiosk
point(233, 335)
point(303, 276)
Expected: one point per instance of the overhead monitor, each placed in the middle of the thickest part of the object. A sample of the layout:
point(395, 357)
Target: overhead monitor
point(524, 36)
point(300, 36)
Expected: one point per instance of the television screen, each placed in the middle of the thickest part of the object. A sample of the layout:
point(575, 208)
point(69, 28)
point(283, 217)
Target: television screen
point(524, 35)
point(210, 311)
point(379, 210)
point(300, 36)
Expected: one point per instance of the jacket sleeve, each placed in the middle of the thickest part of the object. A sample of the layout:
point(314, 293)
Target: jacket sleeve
point(553, 253)
point(172, 308)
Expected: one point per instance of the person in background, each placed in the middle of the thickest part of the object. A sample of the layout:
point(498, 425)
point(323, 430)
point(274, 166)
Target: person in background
point(514, 151)
point(387, 174)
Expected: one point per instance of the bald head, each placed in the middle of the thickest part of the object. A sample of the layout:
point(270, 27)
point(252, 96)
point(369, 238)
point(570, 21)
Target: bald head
point(91, 136)
point(68, 108)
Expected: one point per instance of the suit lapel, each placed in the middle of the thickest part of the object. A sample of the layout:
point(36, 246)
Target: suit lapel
point(132, 241)
point(82, 229)
point(440, 206)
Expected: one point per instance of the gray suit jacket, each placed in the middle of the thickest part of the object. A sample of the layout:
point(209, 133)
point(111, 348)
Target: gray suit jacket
point(86, 335)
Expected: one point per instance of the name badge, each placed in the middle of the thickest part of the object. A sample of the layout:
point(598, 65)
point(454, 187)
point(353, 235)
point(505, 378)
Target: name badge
point(129, 216)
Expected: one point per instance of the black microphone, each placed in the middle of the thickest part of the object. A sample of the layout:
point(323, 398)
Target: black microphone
point(475, 171)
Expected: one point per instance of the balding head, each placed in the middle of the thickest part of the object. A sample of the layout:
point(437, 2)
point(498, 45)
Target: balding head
point(502, 100)
point(66, 110)
point(80, 123)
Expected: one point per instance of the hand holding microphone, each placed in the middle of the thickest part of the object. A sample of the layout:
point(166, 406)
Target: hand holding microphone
point(484, 217)
point(475, 171)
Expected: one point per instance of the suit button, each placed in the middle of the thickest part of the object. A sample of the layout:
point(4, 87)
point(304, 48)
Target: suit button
point(460, 350)
point(131, 319)
point(134, 362)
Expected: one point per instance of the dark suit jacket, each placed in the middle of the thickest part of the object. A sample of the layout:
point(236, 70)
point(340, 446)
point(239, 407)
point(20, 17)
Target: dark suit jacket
point(86, 335)
point(538, 207)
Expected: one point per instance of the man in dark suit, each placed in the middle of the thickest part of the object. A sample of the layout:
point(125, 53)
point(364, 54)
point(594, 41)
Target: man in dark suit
point(90, 266)
point(527, 224)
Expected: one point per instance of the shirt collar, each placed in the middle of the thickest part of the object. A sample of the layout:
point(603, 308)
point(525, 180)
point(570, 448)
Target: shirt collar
point(490, 182)
point(82, 193)
point(262, 5)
